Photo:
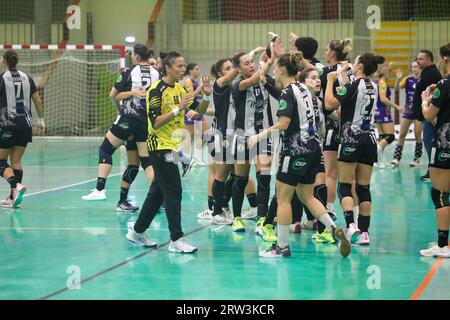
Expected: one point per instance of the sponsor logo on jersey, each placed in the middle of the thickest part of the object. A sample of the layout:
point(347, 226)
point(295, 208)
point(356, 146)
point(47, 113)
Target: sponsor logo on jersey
point(444, 156)
point(342, 91)
point(349, 150)
point(298, 163)
point(436, 93)
point(226, 144)
point(124, 125)
point(282, 105)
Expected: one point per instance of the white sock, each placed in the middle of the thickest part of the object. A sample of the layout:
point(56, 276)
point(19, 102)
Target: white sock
point(330, 206)
point(327, 221)
point(283, 235)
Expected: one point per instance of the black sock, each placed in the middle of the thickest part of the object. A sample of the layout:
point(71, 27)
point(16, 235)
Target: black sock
point(442, 238)
point(363, 223)
point(297, 209)
point(19, 175)
point(398, 152)
point(252, 200)
point(320, 227)
point(218, 190)
point(210, 203)
point(228, 190)
point(418, 151)
point(12, 181)
point(309, 215)
point(349, 217)
point(238, 194)
point(101, 182)
point(272, 212)
point(263, 193)
point(321, 194)
point(123, 194)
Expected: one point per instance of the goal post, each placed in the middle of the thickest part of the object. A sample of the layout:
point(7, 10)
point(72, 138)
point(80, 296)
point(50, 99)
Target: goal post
point(74, 82)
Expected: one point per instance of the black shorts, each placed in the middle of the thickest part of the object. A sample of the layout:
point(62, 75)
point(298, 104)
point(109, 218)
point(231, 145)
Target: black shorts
point(300, 169)
point(241, 151)
point(321, 165)
point(18, 134)
point(363, 150)
point(125, 126)
point(130, 144)
point(332, 139)
point(440, 157)
point(220, 149)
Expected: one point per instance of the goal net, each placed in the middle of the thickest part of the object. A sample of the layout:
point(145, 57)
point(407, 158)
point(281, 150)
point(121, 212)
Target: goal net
point(74, 83)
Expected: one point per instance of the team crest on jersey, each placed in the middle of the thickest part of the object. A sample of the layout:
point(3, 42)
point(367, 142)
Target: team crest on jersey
point(282, 105)
point(342, 91)
point(436, 93)
point(119, 79)
point(320, 71)
point(6, 135)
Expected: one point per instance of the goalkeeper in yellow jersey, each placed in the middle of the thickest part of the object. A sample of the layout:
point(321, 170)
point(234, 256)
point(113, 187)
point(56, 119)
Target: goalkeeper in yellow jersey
point(166, 103)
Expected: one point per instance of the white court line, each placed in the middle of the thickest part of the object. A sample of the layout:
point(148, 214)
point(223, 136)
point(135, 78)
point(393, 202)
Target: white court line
point(77, 229)
point(68, 186)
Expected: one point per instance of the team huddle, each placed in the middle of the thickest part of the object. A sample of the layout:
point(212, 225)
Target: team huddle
point(314, 123)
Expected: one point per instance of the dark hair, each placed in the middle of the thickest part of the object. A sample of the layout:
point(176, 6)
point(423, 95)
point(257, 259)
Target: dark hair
point(11, 58)
point(307, 45)
point(236, 60)
point(168, 60)
point(142, 51)
point(162, 55)
point(217, 67)
point(190, 67)
point(444, 51)
point(341, 48)
point(370, 62)
point(428, 53)
point(304, 74)
point(292, 62)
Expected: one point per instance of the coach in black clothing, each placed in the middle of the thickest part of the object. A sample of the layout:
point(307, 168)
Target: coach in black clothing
point(429, 75)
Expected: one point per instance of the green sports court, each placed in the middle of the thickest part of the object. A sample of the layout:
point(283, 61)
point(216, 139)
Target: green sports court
point(56, 237)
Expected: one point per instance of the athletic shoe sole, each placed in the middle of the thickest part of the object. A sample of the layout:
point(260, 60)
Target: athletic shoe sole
point(344, 244)
point(18, 200)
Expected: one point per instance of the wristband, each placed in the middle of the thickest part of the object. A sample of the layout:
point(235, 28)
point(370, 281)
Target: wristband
point(176, 111)
point(40, 122)
point(206, 98)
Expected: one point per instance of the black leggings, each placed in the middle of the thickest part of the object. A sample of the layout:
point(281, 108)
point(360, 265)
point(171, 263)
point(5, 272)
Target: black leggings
point(166, 187)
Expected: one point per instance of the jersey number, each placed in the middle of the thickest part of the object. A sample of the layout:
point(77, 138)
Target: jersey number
point(18, 86)
point(146, 82)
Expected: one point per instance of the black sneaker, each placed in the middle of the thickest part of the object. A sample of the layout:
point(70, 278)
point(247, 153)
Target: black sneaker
point(187, 168)
point(126, 207)
point(426, 177)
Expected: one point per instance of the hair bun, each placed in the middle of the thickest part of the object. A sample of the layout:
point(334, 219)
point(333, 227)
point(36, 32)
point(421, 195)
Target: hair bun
point(379, 59)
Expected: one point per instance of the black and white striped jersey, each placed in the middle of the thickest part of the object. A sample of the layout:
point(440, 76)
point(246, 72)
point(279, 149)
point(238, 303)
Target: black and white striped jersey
point(16, 89)
point(253, 110)
point(358, 102)
point(301, 136)
point(135, 77)
point(224, 110)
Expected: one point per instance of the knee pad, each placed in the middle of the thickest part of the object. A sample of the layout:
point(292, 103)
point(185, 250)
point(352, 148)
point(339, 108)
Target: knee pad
point(344, 190)
point(3, 166)
point(239, 184)
point(130, 173)
point(263, 181)
point(145, 162)
point(363, 193)
point(321, 193)
point(440, 198)
point(105, 152)
point(389, 138)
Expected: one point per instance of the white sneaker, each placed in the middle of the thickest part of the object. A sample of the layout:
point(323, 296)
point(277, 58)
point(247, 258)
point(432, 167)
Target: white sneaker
point(228, 213)
point(309, 225)
point(415, 163)
point(381, 165)
point(18, 193)
point(95, 195)
point(352, 233)
point(199, 162)
point(206, 214)
point(249, 213)
point(221, 218)
point(8, 203)
point(295, 227)
point(436, 251)
point(181, 246)
point(140, 239)
point(395, 162)
point(363, 239)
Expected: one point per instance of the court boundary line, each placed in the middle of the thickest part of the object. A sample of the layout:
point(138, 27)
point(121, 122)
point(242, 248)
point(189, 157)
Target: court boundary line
point(68, 186)
point(117, 265)
point(427, 279)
